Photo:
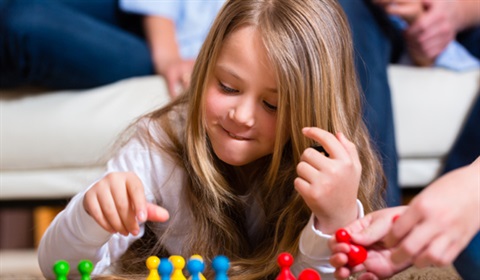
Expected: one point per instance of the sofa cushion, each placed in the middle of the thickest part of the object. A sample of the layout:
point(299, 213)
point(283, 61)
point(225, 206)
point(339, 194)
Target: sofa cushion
point(71, 129)
point(430, 106)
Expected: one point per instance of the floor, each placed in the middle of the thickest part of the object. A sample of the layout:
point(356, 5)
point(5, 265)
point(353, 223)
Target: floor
point(14, 261)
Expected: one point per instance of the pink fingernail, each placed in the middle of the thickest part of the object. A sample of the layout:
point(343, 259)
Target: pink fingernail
point(141, 216)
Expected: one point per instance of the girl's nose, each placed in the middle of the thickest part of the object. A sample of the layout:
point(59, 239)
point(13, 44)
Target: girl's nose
point(243, 112)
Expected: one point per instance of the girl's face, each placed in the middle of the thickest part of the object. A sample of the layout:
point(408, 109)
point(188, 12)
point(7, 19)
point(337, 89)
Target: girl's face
point(241, 100)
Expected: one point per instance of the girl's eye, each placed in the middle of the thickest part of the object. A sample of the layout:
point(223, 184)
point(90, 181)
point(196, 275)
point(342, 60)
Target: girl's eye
point(270, 107)
point(226, 89)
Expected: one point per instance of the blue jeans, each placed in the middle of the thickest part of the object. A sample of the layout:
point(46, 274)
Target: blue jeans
point(373, 52)
point(69, 44)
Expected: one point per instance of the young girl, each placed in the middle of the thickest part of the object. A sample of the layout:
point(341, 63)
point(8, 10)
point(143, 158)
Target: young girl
point(227, 168)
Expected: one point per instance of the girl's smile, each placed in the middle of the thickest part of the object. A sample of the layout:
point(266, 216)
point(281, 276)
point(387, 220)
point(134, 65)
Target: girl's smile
point(241, 100)
point(236, 136)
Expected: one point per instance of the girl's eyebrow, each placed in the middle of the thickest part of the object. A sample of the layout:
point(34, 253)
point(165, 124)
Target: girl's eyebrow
point(231, 72)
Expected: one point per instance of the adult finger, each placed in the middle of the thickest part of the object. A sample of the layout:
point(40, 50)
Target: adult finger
point(401, 227)
point(413, 243)
point(433, 253)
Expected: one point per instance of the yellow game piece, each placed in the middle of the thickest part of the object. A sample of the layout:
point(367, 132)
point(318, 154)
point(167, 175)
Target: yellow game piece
point(197, 257)
point(178, 263)
point(152, 264)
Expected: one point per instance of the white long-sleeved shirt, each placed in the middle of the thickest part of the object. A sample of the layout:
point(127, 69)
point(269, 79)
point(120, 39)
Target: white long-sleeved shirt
point(74, 235)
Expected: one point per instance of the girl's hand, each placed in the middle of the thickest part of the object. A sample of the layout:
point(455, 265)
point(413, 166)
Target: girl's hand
point(329, 185)
point(369, 232)
point(117, 203)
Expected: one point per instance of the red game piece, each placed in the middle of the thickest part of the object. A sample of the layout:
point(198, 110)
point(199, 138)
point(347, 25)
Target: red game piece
point(357, 254)
point(342, 236)
point(285, 261)
point(309, 274)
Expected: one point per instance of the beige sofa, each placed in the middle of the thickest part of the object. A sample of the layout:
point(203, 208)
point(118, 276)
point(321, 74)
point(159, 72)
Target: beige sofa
point(53, 144)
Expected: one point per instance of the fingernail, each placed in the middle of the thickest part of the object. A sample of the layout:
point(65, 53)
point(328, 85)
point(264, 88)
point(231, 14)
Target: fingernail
point(135, 232)
point(141, 216)
point(395, 218)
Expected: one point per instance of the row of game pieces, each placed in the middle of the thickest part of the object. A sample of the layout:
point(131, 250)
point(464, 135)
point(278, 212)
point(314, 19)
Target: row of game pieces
point(172, 268)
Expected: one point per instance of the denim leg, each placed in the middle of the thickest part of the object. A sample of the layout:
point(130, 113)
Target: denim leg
point(51, 44)
point(468, 262)
point(467, 146)
point(373, 52)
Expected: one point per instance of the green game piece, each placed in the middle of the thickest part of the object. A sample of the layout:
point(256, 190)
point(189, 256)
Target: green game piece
point(85, 267)
point(61, 269)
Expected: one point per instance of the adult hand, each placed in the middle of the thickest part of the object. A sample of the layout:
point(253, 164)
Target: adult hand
point(408, 10)
point(430, 33)
point(177, 74)
point(440, 221)
point(117, 203)
point(329, 185)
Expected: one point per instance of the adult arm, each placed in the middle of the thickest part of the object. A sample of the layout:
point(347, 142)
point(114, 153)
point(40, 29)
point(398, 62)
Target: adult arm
point(161, 37)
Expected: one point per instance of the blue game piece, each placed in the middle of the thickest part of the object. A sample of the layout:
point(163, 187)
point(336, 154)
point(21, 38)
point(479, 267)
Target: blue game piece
point(195, 267)
point(220, 265)
point(165, 269)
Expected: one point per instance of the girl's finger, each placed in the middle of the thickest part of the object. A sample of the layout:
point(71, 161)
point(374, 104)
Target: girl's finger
point(342, 273)
point(314, 158)
point(136, 195)
point(156, 213)
point(307, 172)
point(95, 211)
point(327, 140)
point(109, 210)
point(350, 147)
point(123, 204)
point(301, 185)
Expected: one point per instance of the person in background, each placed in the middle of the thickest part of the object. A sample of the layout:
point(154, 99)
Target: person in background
point(229, 168)
point(427, 31)
point(175, 31)
point(434, 229)
point(76, 44)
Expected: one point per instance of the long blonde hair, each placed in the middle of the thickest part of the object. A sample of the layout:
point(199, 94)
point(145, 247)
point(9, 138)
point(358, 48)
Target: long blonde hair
point(309, 45)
